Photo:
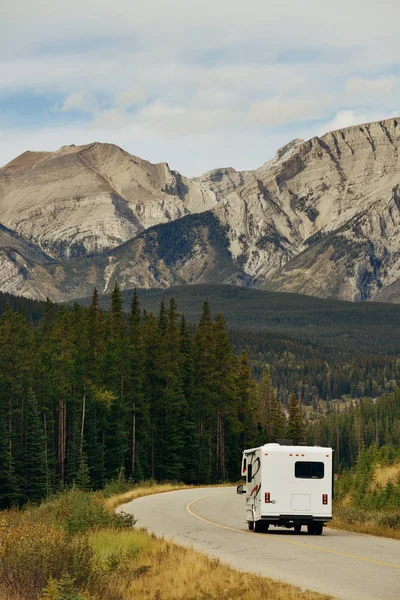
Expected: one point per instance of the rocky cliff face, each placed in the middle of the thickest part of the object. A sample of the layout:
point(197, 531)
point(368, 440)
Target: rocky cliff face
point(321, 218)
point(326, 220)
point(87, 199)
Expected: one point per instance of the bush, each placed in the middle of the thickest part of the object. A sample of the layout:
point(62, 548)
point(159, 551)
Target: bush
point(64, 589)
point(77, 511)
point(33, 553)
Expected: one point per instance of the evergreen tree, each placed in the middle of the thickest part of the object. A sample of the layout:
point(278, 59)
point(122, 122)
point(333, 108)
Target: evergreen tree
point(137, 463)
point(34, 479)
point(246, 403)
point(9, 489)
point(82, 480)
point(188, 419)
point(295, 428)
point(205, 392)
point(115, 374)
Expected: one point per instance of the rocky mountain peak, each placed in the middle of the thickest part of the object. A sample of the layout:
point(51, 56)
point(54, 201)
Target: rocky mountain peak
point(322, 217)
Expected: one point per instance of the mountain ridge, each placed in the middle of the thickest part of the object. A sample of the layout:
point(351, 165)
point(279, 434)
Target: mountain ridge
point(322, 218)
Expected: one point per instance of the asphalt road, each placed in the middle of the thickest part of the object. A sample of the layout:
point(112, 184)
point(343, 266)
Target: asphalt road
point(346, 565)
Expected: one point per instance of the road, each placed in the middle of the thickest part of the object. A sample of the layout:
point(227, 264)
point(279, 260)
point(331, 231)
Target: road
point(345, 565)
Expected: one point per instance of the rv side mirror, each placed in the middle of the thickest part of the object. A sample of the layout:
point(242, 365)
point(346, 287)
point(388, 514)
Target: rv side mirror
point(240, 490)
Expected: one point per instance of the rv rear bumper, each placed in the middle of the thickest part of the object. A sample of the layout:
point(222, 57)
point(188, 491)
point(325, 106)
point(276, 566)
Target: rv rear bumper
point(305, 519)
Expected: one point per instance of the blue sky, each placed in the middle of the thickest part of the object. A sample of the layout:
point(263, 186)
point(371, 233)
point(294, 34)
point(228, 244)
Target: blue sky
point(199, 85)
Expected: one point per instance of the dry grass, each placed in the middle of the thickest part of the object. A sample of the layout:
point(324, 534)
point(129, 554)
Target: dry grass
point(368, 523)
point(149, 488)
point(383, 475)
point(164, 571)
point(73, 548)
point(146, 489)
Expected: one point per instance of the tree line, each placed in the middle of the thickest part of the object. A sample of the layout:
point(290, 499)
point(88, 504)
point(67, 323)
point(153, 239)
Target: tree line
point(315, 372)
point(356, 426)
point(88, 394)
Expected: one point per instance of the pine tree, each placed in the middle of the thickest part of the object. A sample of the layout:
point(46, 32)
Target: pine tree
point(174, 398)
point(82, 480)
point(95, 300)
point(139, 408)
point(205, 392)
point(246, 408)
point(9, 489)
point(115, 371)
point(135, 310)
point(188, 420)
point(34, 484)
point(295, 428)
point(227, 425)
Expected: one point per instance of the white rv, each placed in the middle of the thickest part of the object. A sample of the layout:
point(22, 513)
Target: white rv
point(288, 486)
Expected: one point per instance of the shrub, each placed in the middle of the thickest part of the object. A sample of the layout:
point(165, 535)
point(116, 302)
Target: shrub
point(77, 512)
point(32, 553)
point(64, 589)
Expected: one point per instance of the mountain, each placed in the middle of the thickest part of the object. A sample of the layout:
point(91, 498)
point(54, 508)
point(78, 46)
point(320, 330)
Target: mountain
point(322, 218)
point(87, 199)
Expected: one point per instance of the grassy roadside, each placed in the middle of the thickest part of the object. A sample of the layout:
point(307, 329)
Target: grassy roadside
point(140, 490)
point(75, 547)
point(379, 523)
point(368, 496)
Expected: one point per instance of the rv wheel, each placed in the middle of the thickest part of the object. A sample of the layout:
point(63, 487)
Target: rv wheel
point(250, 525)
point(315, 528)
point(318, 528)
point(297, 528)
point(261, 526)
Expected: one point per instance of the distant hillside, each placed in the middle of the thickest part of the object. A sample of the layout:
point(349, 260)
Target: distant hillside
point(364, 327)
point(32, 308)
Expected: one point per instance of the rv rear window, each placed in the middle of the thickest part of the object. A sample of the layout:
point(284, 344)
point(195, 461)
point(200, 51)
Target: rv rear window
point(309, 470)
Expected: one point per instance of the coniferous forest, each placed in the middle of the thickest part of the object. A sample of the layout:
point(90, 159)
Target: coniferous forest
point(87, 395)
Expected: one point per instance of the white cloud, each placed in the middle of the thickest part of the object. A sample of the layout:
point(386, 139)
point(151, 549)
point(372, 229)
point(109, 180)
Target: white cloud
point(132, 97)
point(82, 101)
point(381, 85)
point(279, 111)
point(227, 72)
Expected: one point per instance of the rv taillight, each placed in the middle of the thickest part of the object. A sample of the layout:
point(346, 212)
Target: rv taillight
point(267, 498)
point(324, 498)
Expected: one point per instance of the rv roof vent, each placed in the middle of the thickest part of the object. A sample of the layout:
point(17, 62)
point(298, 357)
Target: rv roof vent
point(272, 445)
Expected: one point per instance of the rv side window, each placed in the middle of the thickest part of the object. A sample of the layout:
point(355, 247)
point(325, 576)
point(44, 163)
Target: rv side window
point(249, 472)
point(309, 470)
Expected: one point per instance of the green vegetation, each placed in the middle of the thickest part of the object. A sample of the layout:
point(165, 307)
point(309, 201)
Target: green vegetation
point(88, 395)
point(366, 437)
point(353, 427)
point(32, 309)
point(321, 349)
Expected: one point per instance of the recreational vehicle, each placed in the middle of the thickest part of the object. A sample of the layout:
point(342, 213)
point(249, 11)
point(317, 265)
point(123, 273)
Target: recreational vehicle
point(288, 486)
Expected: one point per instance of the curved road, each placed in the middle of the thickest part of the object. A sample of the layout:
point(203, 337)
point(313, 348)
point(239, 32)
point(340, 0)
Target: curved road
point(346, 565)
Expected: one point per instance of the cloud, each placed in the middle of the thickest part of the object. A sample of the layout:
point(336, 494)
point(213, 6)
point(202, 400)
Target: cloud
point(180, 73)
point(280, 111)
point(82, 101)
point(381, 85)
point(132, 97)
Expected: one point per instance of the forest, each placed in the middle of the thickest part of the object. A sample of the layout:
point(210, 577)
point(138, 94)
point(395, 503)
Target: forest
point(87, 395)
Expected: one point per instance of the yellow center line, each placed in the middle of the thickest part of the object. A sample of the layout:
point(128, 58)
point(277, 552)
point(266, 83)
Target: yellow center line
point(277, 539)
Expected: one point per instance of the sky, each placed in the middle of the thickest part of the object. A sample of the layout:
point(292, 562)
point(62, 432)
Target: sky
point(199, 85)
